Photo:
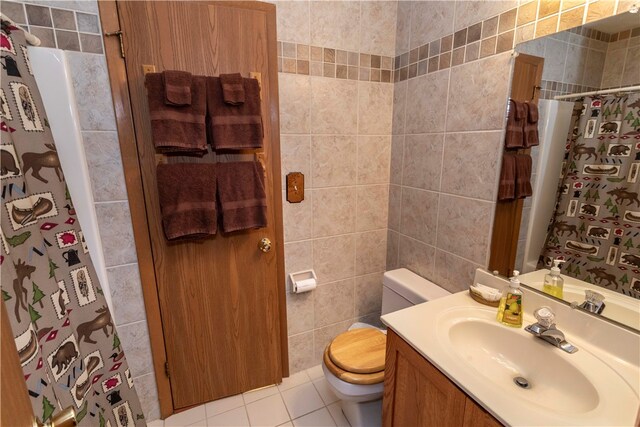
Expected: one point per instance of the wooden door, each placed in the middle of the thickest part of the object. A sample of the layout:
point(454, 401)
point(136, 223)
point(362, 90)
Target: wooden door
point(15, 406)
point(221, 299)
point(525, 86)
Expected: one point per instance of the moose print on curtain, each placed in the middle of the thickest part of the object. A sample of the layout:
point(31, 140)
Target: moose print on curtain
point(65, 337)
point(596, 226)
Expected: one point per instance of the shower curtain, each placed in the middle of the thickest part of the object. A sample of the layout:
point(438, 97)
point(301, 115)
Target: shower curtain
point(66, 340)
point(596, 226)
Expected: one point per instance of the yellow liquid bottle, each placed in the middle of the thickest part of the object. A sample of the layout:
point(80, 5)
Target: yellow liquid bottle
point(510, 308)
point(553, 290)
point(553, 282)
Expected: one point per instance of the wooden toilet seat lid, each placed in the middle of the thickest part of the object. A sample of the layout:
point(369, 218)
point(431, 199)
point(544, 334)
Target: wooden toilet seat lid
point(360, 351)
point(350, 377)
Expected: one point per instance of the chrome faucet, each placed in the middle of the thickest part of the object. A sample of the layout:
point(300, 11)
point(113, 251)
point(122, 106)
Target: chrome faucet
point(593, 302)
point(545, 329)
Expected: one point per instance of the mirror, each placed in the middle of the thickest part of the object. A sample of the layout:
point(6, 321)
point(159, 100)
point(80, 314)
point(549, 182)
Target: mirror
point(585, 207)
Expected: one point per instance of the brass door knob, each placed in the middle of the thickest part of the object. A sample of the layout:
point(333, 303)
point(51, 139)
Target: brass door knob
point(65, 418)
point(264, 245)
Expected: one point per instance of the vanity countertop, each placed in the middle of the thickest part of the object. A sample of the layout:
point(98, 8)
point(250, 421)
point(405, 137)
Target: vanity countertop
point(598, 385)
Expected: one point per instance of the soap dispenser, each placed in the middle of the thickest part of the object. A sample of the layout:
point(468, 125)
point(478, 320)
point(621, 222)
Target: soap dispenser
point(553, 282)
point(510, 308)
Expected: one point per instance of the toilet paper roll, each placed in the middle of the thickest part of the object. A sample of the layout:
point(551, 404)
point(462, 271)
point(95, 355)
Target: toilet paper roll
point(305, 285)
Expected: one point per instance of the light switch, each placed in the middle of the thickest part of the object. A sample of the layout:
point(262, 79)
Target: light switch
point(295, 187)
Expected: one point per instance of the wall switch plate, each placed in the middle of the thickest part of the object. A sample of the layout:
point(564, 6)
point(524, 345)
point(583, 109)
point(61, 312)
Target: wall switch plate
point(295, 187)
point(146, 69)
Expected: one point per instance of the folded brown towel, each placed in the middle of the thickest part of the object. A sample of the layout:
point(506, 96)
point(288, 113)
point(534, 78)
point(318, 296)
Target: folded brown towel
point(234, 127)
point(177, 88)
point(177, 129)
point(507, 185)
point(523, 176)
point(241, 195)
point(531, 125)
point(515, 125)
point(187, 193)
point(232, 88)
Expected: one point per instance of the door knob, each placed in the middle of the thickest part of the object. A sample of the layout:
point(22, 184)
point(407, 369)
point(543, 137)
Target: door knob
point(66, 418)
point(264, 245)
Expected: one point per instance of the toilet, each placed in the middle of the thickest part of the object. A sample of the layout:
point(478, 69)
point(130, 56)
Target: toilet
point(353, 363)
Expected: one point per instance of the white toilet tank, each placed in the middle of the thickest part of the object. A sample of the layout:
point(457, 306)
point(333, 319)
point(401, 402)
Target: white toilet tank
point(402, 288)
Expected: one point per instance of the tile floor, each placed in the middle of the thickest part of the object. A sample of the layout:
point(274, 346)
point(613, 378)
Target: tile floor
point(302, 400)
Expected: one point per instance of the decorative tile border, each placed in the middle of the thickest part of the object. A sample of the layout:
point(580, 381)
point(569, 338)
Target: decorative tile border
point(551, 88)
point(635, 32)
point(62, 28)
point(296, 58)
point(502, 32)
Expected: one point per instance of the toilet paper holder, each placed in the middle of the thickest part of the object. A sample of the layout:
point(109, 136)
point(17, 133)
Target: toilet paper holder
point(303, 281)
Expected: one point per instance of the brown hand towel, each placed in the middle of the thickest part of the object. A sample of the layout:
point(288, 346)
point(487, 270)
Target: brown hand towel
point(234, 127)
point(241, 194)
point(187, 193)
point(531, 125)
point(177, 88)
point(507, 185)
point(523, 176)
point(515, 125)
point(232, 88)
point(177, 129)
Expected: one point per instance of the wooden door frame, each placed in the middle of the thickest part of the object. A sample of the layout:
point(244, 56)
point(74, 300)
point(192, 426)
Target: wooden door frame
point(133, 178)
point(508, 214)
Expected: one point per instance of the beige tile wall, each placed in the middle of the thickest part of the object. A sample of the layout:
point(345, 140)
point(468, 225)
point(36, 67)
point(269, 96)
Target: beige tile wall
point(452, 84)
point(622, 63)
point(337, 131)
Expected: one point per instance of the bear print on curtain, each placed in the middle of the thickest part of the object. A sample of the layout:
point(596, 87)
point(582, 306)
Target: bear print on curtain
point(66, 340)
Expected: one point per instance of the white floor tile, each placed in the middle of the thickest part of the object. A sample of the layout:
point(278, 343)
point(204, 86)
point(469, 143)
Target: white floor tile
point(294, 380)
point(315, 372)
point(186, 418)
point(287, 424)
point(201, 423)
point(261, 393)
point(156, 423)
point(327, 395)
point(223, 405)
point(336, 413)
point(269, 411)
point(319, 418)
point(234, 417)
point(302, 399)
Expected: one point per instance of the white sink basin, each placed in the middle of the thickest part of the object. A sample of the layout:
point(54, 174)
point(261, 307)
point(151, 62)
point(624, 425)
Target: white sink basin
point(501, 355)
point(463, 339)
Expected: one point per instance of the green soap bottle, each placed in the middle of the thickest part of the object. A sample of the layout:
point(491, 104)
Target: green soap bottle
point(510, 308)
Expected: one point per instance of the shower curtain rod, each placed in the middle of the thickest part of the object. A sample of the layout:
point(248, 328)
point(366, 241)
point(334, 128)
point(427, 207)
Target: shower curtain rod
point(31, 39)
point(598, 92)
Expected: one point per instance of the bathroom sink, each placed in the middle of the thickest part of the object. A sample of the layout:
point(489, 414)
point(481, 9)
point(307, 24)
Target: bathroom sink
point(501, 356)
point(521, 379)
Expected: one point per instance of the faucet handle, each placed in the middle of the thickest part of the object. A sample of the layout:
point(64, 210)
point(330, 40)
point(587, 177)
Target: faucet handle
point(593, 296)
point(545, 316)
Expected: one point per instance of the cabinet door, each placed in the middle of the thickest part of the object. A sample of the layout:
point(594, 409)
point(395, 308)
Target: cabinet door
point(476, 416)
point(416, 393)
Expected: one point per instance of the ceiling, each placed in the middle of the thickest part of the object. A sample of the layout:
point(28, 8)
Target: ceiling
point(615, 24)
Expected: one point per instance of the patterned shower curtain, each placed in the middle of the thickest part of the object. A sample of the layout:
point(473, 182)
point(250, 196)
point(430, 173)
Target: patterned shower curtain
point(65, 337)
point(596, 226)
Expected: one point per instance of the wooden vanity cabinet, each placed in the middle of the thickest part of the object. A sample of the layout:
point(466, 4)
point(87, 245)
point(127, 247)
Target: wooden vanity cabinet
point(417, 394)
